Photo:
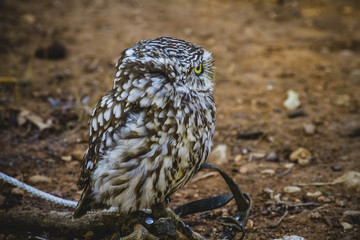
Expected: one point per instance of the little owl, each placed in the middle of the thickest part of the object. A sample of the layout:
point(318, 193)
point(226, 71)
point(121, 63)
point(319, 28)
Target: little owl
point(150, 134)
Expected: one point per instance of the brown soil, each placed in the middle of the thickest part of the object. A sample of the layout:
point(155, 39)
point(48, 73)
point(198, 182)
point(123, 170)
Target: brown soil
point(261, 49)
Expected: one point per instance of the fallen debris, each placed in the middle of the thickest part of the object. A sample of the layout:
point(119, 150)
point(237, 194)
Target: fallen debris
point(26, 115)
point(351, 180)
point(291, 189)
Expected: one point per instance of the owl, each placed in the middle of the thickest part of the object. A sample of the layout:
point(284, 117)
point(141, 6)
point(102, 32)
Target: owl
point(149, 135)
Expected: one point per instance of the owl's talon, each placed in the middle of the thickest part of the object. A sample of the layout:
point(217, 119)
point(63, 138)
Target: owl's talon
point(182, 226)
point(232, 225)
point(189, 231)
point(140, 232)
point(185, 229)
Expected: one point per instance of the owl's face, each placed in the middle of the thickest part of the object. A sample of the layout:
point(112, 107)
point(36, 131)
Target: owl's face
point(184, 64)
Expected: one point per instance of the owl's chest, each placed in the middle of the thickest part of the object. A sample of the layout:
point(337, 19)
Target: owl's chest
point(190, 143)
point(193, 126)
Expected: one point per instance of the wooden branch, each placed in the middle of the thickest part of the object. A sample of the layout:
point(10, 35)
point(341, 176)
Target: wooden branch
point(61, 223)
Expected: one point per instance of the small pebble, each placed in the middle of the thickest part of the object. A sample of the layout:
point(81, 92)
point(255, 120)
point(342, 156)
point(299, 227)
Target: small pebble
point(336, 168)
point(289, 165)
point(256, 156)
point(238, 158)
point(309, 128)
point(301, 153)
point(352, 213)
point(303, 161)
point(292, 237)
point(39, 179)
point(313, 194)
point(66, 158)
point(340, 203)
point(17, 191)
point(292, 101)
point(291, 189)
point(315, 215)
point(244, 170)
point(346, 226)
point(324, 199)
point(269, 172)
point(272, 156)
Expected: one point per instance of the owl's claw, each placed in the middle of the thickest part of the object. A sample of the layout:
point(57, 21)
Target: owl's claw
point(185, 229)
point(140, 232)
point(237, 223)
point(232, 225)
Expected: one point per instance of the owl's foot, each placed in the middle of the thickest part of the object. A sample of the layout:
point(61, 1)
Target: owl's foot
point(232, 225)
point(163, 223)
point(140, 232)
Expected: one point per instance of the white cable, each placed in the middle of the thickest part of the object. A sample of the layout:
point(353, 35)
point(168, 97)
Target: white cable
point(37, 192)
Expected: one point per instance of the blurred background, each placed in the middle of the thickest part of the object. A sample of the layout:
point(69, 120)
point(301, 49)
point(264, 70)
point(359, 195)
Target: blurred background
point(287, 91)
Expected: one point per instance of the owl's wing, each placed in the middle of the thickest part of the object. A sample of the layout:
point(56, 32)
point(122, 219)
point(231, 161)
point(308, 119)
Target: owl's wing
point(115, 121)
point(107, 114)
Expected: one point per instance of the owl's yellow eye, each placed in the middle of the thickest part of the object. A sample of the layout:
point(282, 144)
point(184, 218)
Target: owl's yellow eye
point(199, 70)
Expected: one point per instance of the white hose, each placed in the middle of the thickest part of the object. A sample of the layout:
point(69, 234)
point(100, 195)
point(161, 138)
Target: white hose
point(37, 192)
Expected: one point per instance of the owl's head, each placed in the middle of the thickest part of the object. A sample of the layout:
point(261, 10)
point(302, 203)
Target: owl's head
point(185, 65)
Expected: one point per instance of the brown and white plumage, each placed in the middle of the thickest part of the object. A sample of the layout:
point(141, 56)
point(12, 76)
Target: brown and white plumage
point(153, 130)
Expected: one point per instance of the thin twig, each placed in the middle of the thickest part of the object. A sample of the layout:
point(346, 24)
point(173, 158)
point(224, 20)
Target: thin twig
point(274, 224)
point(286, 172)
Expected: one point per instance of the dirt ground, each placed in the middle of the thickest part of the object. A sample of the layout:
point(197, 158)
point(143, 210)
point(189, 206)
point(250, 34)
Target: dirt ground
point(261, 48)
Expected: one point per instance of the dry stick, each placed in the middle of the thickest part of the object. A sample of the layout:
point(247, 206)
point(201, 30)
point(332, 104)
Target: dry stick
point(327, 220)
point(60, 223)
point(274, 224)
point(286, 172)
point(289, 204)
